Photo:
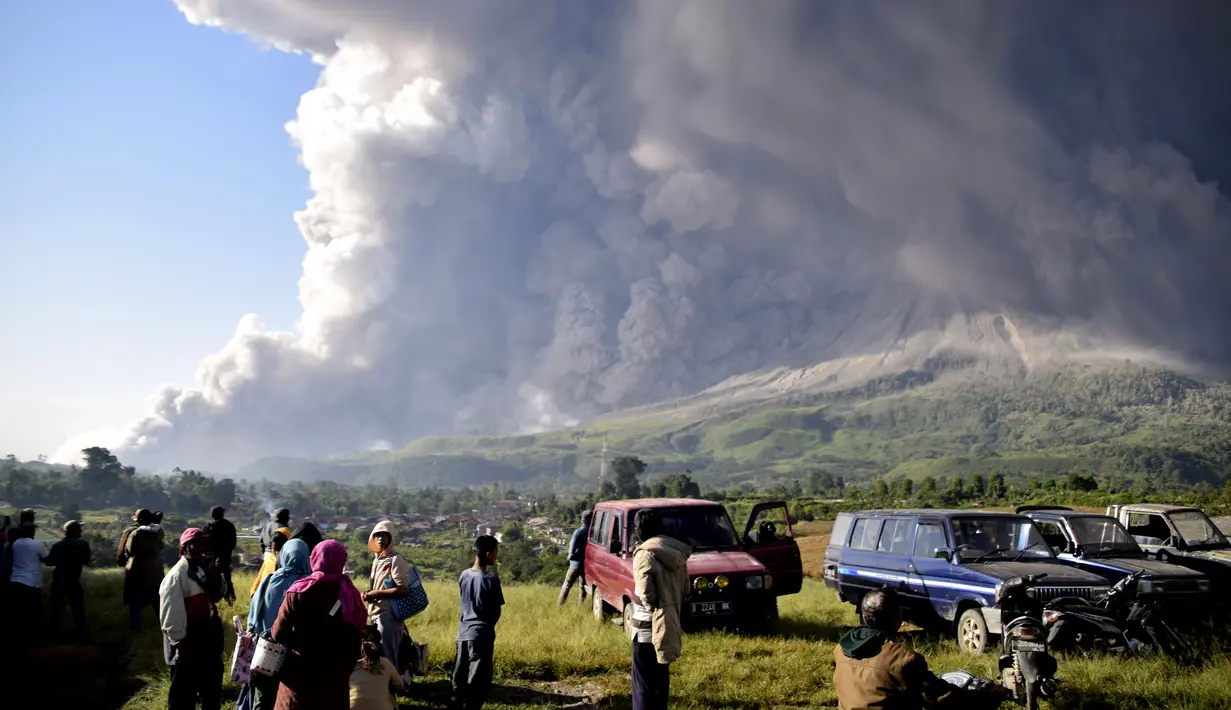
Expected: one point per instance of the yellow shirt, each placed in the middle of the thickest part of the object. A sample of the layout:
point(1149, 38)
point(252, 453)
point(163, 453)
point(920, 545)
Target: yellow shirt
point(374, 691)
point(269, 565)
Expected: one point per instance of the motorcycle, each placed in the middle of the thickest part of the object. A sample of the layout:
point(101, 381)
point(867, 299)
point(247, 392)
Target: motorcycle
point(1027, 669)
point(1075, 624)
point(1120, 622)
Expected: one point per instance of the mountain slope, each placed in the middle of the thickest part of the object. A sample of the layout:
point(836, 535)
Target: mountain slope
point(949, 417)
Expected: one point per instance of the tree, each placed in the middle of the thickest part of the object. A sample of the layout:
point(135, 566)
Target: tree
point(928, 485)
point(71, 511)
point(511, 532)
point(978, 486)
point(607, 490)
point(996, 487)
point(1078, 482)
point(627, 469)
point(840, 484)
point(908, 488)
point(797, 490)
point(820, 482)
point(956, 489)
point(882, 488)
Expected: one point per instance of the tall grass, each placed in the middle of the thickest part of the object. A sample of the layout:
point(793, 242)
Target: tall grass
point(552, 657)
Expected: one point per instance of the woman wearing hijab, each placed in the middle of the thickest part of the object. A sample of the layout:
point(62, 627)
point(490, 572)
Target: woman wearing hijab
point(321, 620)
point(280, 536)
point(293, 565)
point(390, 580)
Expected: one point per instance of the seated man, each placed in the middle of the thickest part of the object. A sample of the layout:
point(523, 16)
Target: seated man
point(873, 671)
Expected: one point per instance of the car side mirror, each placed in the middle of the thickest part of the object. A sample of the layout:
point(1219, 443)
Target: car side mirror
point(943, 553)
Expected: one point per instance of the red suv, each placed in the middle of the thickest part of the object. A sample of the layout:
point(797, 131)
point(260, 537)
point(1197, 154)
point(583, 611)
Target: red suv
point(734, 579)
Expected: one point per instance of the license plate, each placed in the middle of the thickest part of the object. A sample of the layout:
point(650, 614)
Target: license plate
point(1029, 646)
point(710, 608)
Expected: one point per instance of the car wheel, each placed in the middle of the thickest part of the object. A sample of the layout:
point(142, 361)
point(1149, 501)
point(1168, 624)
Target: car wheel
point(972, 636)
point(628, 620)
point(600, 614)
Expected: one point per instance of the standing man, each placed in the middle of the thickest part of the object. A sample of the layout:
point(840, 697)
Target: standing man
point(69, 556)
point(191, 628)
point(25, 600)
point(660, 581)
point(222, 540)
point(143, 564)
point(577, 560)
point(281, 519)
point(482, 598)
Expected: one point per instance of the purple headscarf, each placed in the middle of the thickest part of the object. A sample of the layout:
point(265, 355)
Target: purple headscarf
point(328, 560)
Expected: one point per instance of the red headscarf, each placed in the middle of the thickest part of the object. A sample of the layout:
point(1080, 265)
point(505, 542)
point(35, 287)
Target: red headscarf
point(328, 560)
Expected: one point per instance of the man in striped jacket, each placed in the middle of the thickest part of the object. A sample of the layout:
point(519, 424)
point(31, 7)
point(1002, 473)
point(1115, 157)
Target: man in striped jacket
point(191, 627)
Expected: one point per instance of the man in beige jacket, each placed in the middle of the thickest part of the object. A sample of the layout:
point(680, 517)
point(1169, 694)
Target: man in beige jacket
point(660, 578)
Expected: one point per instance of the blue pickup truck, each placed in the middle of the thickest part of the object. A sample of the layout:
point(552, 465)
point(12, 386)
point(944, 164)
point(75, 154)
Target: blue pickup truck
point(947, 565)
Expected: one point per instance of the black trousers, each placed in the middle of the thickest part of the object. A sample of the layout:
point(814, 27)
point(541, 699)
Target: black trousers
point(75, 596)
point(25, 611)
point(651, 679)
point(199, 678)
point(472, 673)
point(225, 571)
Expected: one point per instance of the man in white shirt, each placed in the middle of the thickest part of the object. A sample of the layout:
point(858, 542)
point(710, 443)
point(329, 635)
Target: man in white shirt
point(26, 584)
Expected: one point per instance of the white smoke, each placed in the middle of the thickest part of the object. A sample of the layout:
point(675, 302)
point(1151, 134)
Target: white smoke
point(527, 213)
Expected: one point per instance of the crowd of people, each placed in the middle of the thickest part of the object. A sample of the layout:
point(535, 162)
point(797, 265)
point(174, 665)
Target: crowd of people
point(350, 649)
point(21, 576)
point(345, 648)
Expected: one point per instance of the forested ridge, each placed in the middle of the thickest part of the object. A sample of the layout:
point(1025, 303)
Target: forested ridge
point(1128, 426)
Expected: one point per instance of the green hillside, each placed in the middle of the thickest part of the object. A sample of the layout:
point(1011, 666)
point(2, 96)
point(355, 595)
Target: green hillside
point(1127, 423)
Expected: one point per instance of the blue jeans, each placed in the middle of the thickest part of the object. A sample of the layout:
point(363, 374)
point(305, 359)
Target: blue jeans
point(391, 631)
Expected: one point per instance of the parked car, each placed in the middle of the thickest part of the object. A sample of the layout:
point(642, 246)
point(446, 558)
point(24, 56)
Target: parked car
point(948, 566)
point(735, 579)
point(1180, 535)
point(1100, 544)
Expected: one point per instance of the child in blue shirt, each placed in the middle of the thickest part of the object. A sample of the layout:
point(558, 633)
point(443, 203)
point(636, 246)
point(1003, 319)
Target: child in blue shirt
point(482, 599)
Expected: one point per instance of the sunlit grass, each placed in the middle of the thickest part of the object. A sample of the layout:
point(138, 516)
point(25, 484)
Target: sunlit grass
point(556, 656)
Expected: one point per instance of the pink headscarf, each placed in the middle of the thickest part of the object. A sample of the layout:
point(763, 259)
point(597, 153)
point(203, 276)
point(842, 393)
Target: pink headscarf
point(328, 560)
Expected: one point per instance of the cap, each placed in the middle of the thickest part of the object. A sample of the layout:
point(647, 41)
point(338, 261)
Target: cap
point(71, 523)
point(141, 514)
point(192, 534)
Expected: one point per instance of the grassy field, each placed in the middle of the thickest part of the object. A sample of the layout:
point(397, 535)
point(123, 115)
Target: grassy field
point(549, 657)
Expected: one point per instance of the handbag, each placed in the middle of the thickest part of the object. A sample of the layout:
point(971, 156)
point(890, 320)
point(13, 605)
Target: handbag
point(241, 657)
point(415, 599)
point(412, 657)
point(270, 657)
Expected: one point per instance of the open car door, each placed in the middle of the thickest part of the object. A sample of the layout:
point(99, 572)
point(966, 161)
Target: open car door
point(769, 538)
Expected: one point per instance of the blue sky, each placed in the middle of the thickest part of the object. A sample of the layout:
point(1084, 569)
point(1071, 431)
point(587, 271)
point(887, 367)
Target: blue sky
point(146, 192)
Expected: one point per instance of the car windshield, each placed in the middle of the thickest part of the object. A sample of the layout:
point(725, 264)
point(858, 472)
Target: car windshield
point(997, 538)
point(1197, 530)
point(702, 527)
point(1100, 535)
